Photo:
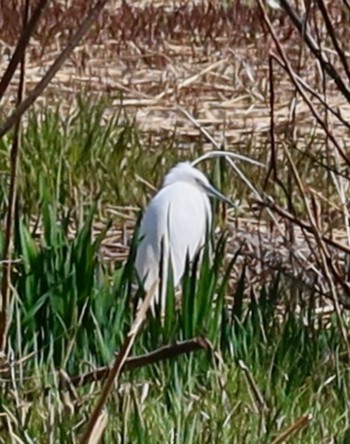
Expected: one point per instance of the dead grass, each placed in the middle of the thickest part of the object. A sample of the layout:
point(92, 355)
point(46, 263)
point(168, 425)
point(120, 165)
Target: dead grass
point(213, 61)
point(206, 57)
point(209, 58)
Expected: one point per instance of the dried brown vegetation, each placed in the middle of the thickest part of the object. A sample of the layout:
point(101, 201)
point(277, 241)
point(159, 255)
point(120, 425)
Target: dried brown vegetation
point(212, 59)
point(250, 78)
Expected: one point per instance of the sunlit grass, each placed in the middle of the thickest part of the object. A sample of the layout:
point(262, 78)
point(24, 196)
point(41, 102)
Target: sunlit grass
point(70, 311)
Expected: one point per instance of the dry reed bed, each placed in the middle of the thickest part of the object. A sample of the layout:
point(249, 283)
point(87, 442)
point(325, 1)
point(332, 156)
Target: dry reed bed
point(210, 59)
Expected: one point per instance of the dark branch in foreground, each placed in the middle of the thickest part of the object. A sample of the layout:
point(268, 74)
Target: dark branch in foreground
point(29, 29)
point(10, 215)
point(54, 68)
point(267, 203)
point(133, 363)
point(299, 23)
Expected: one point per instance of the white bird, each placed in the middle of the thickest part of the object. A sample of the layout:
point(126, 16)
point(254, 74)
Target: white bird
point(173, 226)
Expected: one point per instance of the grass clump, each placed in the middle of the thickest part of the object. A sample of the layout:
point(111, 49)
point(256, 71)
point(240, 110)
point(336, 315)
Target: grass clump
point(70, 312)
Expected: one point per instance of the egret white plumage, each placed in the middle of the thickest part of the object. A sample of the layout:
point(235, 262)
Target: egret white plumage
point(174, 226)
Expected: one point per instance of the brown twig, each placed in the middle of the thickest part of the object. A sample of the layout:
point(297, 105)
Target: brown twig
point(272, 168)
point(291, 74)
point(273, 162)
point(262, 405)
point(131, 363)
point(299, 424)
point(28, 30)
point(332, 35)
point(28, 101)
point(8, 243)
point(314, 93)
point(118, 364)
point(324, 255)
point(347, 4)
point(135, 362)
point(302, 224)
point(299, 23)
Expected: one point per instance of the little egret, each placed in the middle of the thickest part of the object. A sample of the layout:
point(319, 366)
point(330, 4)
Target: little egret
point(174, 226)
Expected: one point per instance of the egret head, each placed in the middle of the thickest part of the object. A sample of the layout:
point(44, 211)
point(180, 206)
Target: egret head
point(185, 172)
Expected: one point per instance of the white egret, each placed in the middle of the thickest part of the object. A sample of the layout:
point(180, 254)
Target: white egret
point(174, 226)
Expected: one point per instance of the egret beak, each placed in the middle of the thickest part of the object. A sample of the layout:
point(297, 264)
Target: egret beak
point(213, 192)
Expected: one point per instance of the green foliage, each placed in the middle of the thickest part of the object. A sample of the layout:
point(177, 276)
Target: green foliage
point(71, 311)
point(82, 154)
point(61, 288)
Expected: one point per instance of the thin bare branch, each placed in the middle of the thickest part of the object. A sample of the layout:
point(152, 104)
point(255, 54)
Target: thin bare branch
point(135, 362)
point(27, 102)
point(272, 169)
point(291, 74)
point(331, 33)
point(314, 93)
point(23, 41)
point(299, 23)
point(323, 252)
point(8, 243)
point(119, 363)
point(302, 224)
point(297, 425)
point(347, 4)
point(258, 397)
